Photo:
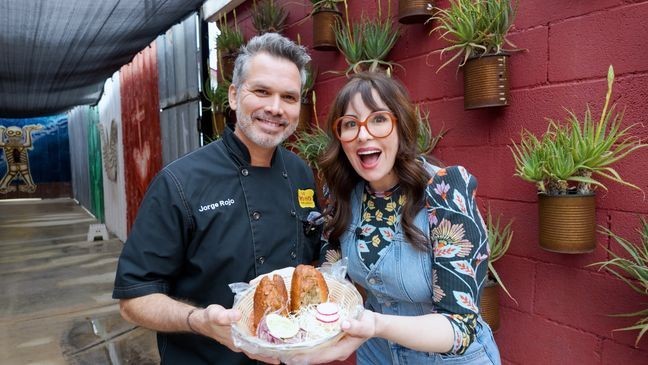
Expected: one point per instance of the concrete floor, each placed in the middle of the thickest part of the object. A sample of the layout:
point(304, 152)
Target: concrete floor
point(55, 290)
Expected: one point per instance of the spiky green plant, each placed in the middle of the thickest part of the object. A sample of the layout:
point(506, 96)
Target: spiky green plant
point(577, 152)
point(217, 96)
point(632, 269)
point(311, 76)
point(349, 42)
point(365, 44)
point(379, 37)
point(268, 17)
point(310, 144)
point(474, 28)
point(499, 241)
point(218, 99)
point(426, 141)
point(230, 38)
point(325, 5)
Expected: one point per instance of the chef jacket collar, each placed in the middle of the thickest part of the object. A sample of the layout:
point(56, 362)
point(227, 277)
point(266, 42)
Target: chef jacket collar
point(238, 150)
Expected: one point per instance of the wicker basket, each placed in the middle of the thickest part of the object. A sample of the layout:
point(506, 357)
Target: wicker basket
point(341, 292)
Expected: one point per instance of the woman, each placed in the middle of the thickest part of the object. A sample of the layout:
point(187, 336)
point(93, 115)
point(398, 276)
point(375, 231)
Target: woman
point(412, 233)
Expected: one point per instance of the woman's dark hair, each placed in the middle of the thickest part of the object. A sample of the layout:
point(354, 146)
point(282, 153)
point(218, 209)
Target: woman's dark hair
point(340, 176)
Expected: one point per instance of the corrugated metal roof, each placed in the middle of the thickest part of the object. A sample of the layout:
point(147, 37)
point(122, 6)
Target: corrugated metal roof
point(179, 127)
point(179, 63)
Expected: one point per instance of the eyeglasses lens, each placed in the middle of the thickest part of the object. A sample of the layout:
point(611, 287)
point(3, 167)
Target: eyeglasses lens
point(379, 125)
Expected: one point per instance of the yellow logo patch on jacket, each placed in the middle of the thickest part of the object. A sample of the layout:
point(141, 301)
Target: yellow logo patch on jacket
point(306, 198)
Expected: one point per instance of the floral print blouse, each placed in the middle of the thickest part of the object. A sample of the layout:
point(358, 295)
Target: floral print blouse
point(380, 222)
point(459, 243)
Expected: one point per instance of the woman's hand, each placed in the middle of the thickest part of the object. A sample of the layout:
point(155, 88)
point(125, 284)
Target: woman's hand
point(363, 327)
point(357, 332)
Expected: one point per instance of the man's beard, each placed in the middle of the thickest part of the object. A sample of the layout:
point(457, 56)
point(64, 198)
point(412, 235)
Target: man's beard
point(246, 125)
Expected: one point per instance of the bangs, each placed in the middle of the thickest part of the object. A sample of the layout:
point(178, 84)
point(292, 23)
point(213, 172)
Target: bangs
point(364, 88)
point(368, 97)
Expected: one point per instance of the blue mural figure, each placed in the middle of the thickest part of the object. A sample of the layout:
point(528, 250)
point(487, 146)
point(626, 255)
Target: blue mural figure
point(15, 142)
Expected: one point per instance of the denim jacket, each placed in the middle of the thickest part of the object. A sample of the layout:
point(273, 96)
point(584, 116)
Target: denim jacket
point(401, 283)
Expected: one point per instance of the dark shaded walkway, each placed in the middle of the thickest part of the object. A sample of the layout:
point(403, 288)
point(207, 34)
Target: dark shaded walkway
point(55, 290)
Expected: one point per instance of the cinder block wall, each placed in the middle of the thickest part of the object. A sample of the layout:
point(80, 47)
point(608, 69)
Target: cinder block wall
point(562, 315)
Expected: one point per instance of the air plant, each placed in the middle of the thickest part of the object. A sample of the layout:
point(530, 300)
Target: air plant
point(578, 151)
point(218, 103)
point(268, 17)
point(365, 44)
point(230, 38)
point(426, 141)
point(474, 28)
point(632, 269)
point(319, 5)
point(499, 241)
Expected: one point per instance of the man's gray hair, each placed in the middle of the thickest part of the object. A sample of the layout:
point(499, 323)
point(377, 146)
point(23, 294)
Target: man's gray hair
point(273, 44)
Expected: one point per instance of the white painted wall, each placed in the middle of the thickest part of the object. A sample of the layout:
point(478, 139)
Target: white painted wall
point(114, 192)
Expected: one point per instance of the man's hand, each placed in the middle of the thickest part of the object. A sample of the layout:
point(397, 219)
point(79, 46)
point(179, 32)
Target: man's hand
point(216, 322)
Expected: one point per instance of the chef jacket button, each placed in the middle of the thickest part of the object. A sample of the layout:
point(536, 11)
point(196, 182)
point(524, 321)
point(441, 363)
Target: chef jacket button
point(256, 216)
point(293, 254)
point(372, 281)
point(245, 172)
point(284, 174)
point(261, 260)
point(293, 213)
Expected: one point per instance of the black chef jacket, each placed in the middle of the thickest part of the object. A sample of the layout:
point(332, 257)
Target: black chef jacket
point(210, 219)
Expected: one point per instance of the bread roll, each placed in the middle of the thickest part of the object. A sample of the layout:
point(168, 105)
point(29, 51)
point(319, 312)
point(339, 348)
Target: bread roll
point(270, 296)
point(307, 287)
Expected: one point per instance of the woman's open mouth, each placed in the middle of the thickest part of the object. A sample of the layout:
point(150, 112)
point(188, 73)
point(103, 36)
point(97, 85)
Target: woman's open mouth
point(369, 157)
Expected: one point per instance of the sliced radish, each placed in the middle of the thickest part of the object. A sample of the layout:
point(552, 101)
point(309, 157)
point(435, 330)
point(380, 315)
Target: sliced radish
point(327, 312)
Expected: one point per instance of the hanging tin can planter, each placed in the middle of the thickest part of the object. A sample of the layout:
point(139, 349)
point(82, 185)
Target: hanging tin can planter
point(486, 81)
point(218, 123)
point(227, 63)
point(305, 115)
point(489, 305)
point(324, 23)
point(567, 222)
point(414, 11)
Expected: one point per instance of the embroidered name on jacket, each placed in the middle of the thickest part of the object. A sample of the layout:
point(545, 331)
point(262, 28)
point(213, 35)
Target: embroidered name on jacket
point(214, 205)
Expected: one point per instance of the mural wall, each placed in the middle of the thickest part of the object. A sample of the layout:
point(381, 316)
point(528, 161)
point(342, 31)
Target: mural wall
point(112, 149)
point(140, 126)
point(34, 158)
point(85, 155)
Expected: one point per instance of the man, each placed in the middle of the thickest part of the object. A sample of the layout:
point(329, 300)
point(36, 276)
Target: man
point(226, 213)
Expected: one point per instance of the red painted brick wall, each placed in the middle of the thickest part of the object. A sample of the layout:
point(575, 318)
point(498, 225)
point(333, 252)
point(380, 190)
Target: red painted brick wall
point(562, 315)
